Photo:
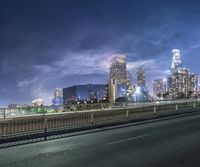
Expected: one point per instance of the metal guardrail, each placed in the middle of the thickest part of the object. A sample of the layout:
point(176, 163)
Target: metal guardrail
point(26, 111)
point(43, 123)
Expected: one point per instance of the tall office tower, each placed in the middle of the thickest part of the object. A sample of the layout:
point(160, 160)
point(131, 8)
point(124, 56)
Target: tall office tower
point(159, 87)
point(193, 85)
point(58, 93)
point(118, 68)
point(141, 77)
point(173, 80)
point(180, 83)
point(118, 77)
point(176, 59)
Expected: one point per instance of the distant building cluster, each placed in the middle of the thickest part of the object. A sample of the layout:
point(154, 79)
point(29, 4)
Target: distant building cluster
point(181, 83)
point(119, 88)
point(120, 84)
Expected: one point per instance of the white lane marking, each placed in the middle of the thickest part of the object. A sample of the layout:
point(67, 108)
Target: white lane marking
point(127, 139)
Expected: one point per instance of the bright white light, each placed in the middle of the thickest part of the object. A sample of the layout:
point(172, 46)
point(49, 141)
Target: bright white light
point(138, 90)
point(176, 50)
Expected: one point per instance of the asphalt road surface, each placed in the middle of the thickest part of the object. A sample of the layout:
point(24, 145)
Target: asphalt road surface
point(166, 143)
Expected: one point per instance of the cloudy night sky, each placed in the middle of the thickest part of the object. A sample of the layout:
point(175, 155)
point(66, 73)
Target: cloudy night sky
point(46, 44)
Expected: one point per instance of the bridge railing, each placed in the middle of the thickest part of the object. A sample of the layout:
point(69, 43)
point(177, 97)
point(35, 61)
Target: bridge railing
point(44, 123)
point(26, 111)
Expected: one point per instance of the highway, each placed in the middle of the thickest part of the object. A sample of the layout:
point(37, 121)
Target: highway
point(165, 143)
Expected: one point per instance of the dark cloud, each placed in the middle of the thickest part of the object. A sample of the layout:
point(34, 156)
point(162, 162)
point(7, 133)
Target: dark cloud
point(48, 44)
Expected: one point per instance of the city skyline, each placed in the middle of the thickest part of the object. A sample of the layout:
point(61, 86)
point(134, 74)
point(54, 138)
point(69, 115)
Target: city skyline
point(121, 58)
point(39, 54)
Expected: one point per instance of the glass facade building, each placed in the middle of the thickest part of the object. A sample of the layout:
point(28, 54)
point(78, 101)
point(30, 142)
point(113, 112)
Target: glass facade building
point(85, 93)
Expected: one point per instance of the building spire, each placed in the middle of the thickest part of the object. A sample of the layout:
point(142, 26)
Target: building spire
point(176, 59)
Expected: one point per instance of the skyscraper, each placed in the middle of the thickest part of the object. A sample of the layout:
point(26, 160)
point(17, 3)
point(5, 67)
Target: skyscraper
point(180, 83)
point(118, 81)
point(141, 77)
point(193, 85)
point(169, 82)
point(118, 68)
point(159, 87)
